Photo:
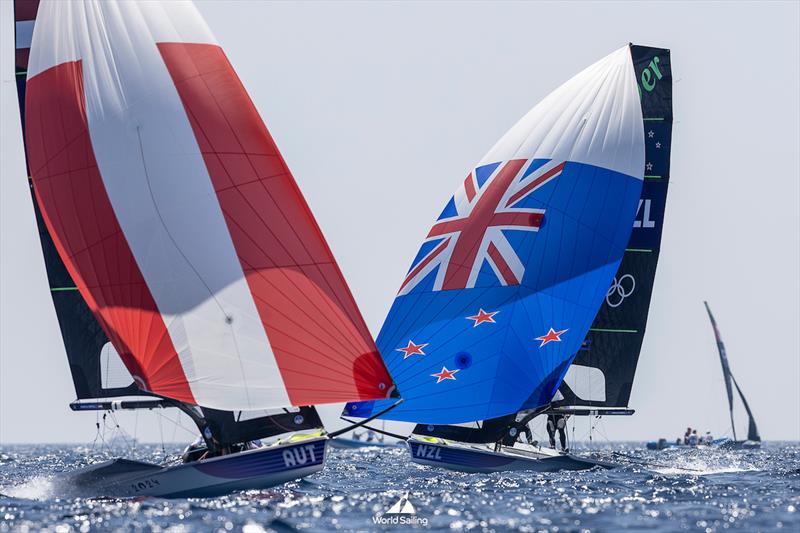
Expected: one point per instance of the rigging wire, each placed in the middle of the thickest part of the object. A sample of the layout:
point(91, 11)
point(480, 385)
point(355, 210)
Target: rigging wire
point(135, 427)
point(161, 433)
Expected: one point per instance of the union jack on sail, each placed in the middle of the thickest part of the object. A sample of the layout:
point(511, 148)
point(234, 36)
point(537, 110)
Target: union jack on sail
point(470, 231)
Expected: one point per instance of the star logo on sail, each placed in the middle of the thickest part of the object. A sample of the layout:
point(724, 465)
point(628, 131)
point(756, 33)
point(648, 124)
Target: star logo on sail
point(412, 349)
point(482, 317)
point(551, 336)
point(445, 374)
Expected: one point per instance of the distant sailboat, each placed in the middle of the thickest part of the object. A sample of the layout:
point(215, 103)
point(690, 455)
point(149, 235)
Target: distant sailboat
point(185, 267)
point(753, 438)
point(508, 286)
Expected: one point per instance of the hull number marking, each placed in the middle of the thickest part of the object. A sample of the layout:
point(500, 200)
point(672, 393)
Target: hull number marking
point(299, 456)
point(428, 452)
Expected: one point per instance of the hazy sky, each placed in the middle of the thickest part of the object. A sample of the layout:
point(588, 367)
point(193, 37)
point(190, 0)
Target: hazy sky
point(381, 108)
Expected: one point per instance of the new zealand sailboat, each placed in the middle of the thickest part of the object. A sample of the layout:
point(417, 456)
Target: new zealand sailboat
point(177, 241)
point(507, 284)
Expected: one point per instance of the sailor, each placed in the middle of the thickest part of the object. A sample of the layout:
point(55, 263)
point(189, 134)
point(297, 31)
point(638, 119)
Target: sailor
point(686, 436)
point(529, 434)
point(693, 438)
point(371, 435)
point(253, 444)
point(709, 439)
point(557, 422)
point(194, 451)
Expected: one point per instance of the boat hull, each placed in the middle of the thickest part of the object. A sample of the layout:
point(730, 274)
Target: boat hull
point(253, 469)
point(472, 459)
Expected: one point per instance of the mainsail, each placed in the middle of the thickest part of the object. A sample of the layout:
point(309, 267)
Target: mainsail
point(603, 371)
point(85, 341)
point(752, 430)
point(508, 281)
point(176, 217)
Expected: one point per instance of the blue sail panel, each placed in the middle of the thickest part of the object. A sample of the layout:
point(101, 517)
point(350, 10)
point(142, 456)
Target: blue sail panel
point(494, 348)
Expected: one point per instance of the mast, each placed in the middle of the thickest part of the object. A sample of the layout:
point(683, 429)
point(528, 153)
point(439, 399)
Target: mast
point(726, 369)
point(603, 371)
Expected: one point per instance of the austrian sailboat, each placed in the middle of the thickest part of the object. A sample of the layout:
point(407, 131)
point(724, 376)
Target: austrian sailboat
point(507, 288)
point(753, 440)
point(185, 266)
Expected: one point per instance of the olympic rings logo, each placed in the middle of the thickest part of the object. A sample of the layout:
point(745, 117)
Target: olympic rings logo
point(619, 290)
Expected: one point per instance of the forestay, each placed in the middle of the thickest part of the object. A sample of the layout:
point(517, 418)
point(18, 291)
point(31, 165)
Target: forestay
point(177, 218)
point(504, 288)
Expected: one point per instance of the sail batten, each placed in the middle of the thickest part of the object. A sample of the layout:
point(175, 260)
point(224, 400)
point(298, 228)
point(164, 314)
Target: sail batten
point(178, 219)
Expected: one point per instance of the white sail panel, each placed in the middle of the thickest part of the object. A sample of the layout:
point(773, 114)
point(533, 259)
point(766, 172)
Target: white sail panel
point(593, 118)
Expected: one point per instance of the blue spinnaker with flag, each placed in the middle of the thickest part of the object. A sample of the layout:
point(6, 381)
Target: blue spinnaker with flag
point(510, 277)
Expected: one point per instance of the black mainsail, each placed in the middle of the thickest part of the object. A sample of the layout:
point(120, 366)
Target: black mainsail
point(84, 338)
point(601, 376)
point(752, 429)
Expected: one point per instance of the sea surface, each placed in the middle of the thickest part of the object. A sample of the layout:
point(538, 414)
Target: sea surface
point(675, 490)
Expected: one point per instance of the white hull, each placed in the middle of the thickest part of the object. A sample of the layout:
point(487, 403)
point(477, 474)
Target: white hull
point(253, 469)
point(465, 457)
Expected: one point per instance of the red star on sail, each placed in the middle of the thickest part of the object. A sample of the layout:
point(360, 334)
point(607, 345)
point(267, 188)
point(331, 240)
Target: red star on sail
point(482, 317)
point(552, 336)
point(412, 349)
point(445, 374)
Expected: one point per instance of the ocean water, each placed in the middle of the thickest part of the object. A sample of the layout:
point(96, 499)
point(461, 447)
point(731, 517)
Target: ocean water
point(676, 490)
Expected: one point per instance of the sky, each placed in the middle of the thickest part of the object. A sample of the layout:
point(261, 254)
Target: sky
point(381, 108)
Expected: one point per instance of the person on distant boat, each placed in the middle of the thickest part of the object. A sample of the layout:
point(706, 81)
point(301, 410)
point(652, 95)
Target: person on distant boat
point(687, 435)
point(557, 422)
point(371, 435)
point(709, 439)
point(693, 438)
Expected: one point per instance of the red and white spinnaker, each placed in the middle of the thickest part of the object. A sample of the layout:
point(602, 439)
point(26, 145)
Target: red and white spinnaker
point(179, 220)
